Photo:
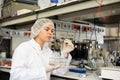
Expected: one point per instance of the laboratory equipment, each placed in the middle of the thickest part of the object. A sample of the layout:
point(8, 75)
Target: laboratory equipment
point(110, 73)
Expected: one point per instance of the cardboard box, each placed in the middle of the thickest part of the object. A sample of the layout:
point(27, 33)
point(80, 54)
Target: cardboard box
point(12, 7)
point(23, 11)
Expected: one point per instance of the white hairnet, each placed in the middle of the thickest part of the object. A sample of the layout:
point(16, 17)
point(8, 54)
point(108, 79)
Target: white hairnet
point(35, 29)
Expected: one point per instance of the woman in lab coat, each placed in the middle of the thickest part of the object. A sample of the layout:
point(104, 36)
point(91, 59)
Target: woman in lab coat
point(31, 59)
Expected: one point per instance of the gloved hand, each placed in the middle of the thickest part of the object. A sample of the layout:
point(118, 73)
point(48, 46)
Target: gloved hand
point(67, 47)
point(49, 68)
point(52, 65)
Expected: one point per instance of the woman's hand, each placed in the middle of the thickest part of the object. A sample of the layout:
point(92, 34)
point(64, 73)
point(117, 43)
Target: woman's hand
point(67, 47)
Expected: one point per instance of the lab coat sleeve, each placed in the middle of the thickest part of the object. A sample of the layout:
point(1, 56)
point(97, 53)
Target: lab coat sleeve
point(64, 69)
point(20, 72)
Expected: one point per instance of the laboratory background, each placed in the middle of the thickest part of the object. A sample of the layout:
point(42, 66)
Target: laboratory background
point(93, 26)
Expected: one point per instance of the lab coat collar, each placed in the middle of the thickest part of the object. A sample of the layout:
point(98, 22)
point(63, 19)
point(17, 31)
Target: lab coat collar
point(37, 46)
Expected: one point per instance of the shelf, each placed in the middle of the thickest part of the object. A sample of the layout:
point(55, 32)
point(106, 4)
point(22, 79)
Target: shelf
point(111, 38)
point(7, 67)
point(53, 11)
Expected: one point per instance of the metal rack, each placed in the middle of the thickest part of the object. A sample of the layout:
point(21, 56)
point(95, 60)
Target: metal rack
point(53, 11)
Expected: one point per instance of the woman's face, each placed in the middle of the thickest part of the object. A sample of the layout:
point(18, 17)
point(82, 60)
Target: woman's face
point(46, 32)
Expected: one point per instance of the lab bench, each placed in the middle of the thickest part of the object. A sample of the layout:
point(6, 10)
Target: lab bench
point(90, 75)
point(4, 73)
point(76, 76)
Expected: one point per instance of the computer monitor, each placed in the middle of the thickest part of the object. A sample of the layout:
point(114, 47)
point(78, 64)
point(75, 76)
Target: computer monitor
point(5, 45)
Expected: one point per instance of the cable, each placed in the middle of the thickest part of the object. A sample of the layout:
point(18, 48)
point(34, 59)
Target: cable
point(104, 17)
point(95, 33)
point(79, 35)
point(99, 10)
point(93, 30)
point(118, 42)
point(86, 35)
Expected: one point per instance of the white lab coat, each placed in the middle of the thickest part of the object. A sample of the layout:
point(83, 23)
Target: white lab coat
point(28, 62)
